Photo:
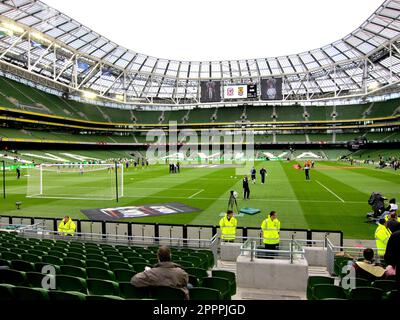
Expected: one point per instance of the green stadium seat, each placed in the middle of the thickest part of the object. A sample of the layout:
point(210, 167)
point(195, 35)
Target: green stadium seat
point(102, 287)
point(148, 256)
point(221, 284)
point(21, 265)
point(98, 257)
point(123, 275)
point(40, 265)
point(323, 291)
point(167, 293)
point(69, 283)
point(98, 273)
point(106, 246)
point(73, 271)
point(35, 279)
point(194, 281)
point(14, 277)
point(57, 254)
point(6, 292)
point(78, 256)
point(55, 295)
point(128, 291)
point(30, 294)
point(47, 242)
point(97, 264)
point(74, 244)
point(114, 258)
point(136, 259)
point(52, 260)
point(31, 258)
point(74, 262)
point(10, 256)
point(119, 265)
point(105, 297)
point(59, 248)
point(366, 293)
point(91, 251)
point(385, 285)
point(230, 276)
point(339, 263)
point(197, 272)
point(42, 249)
point(129, 254)
point(152, 261)
point(5, 263)
point(204, 259)
point(314, 280)
point(19, 251)
point(393, 295)
point(139, 267)
point(25, 247)
point(37, 253)
point(186, 264)
point(202, 293)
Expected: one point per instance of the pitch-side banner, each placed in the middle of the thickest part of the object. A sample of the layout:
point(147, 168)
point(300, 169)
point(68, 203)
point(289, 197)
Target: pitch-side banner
point(140, 211)
point(235, 91)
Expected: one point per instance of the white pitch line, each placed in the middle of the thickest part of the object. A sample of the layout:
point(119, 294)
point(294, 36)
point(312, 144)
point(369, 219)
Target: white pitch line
point(330, 191)
point(196, 194)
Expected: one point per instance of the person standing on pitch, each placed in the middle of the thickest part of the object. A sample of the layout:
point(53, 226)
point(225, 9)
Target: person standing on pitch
point(253, 175)
point(228, 226)
point(271, 232)
point(246, 188)
point(18, 173)
point(307, 170)
point(263, 173)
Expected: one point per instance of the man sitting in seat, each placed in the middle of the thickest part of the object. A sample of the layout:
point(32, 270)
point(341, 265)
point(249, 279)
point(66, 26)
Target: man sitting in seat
point(366, 269)
point(164, 274)
point(67, 227)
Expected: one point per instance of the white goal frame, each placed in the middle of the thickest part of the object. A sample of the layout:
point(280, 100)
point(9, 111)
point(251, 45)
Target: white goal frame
point(119, 184)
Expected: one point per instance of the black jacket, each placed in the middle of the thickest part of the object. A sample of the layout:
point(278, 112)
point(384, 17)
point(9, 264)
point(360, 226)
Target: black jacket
point(392, 254)
point(245, 184)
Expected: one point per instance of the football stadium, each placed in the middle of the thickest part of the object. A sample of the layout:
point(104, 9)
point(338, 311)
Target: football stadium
point(273, 178)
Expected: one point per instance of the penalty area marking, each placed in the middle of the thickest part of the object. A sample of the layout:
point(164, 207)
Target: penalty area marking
point(330, 191)
point(193, 195)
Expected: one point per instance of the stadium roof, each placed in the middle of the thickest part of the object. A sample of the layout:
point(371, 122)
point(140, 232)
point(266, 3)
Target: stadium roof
point(48, 43)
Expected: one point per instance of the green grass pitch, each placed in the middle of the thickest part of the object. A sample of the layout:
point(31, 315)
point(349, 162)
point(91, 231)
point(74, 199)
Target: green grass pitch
point(335, 198)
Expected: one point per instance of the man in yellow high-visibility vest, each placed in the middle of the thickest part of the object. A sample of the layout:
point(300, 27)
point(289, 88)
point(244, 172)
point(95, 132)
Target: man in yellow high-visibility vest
point(382, 235)
point(67, 227)
point(228, 226)
point(271, 229)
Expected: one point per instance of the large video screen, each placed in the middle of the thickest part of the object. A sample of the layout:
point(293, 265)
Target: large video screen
point(210, 91)
point(271, 89)
point(235, 91)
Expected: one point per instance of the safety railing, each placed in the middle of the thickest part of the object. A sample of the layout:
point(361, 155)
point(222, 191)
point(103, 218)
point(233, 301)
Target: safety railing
point(335, 253)
point(288, 249)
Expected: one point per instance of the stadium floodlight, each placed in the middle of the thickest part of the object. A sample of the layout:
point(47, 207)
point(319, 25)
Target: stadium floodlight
point(12, 27)
point(89, 95)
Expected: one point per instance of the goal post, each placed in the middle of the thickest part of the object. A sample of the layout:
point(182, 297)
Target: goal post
point(76, 181)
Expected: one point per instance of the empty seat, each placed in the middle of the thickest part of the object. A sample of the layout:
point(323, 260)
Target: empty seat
point(167, 293)
point(73, 271)
point(35, 279)
point(202, 293)
point(119, 265)
point(31, 258)
point(96, 264)
point(22, 265)
point(366, 293)
point(56, 295)
point(98, 257)
point(220, 284)
point(105, 297)
point(10, 256)
point(230, 276)
point(98, 273)
point(30, 294)
point(385, 285)
point(102, 287)
point(74, 262)
point(5, 263)
point(14, 277)
point(323, 291)
point(313, 280)
point(115, 258)
point(69, 283)
point(139, 267)
point(79, 256)
point(123, 275)
point(6, 293)
point(136, 259)
point(128, 291)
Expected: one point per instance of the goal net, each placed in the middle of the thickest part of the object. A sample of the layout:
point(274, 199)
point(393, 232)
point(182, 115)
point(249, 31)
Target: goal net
point(76, 181)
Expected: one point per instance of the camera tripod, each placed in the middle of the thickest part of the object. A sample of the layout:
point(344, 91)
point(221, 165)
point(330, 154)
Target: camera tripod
point(232, 203)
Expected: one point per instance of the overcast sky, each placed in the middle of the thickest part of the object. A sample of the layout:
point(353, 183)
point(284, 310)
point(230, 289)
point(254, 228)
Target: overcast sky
point(219, 29)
